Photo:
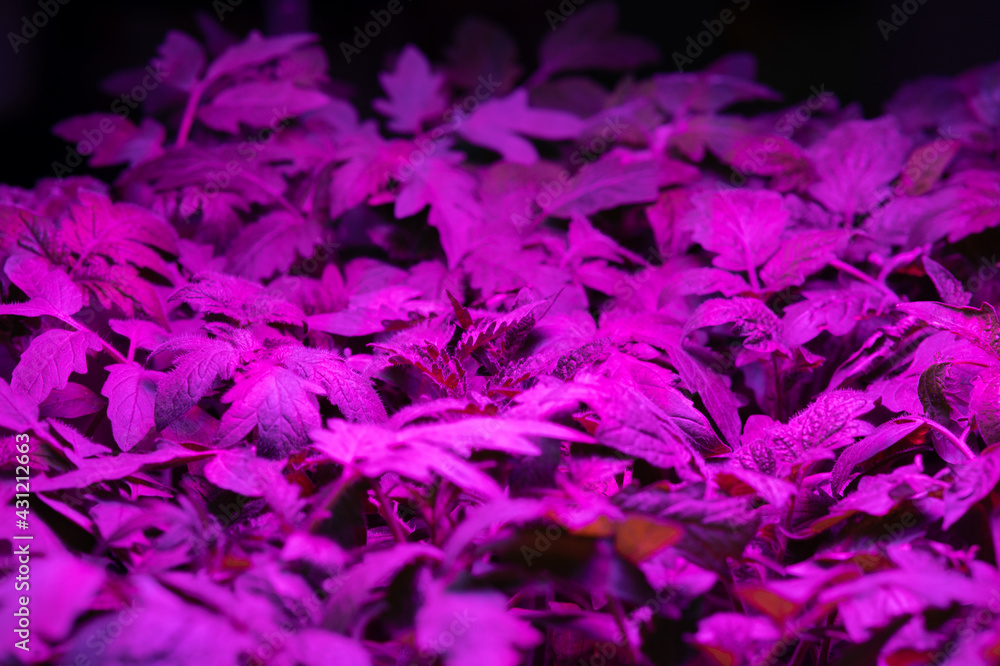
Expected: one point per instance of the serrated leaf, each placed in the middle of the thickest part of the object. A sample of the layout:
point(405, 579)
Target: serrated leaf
point(981, 327)
point(49, 361)
point(259, 104)
point(279, 403)
point(948, 286)
point(192, 379)
point(802, 255)
point(242, 300)
point(346, 388)
point(751, 317)
point(413, 92)
point(49, 289)
point(742, 227)
point(131, 394)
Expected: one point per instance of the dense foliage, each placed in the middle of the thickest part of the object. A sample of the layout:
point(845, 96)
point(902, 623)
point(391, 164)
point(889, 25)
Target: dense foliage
point(505, 369)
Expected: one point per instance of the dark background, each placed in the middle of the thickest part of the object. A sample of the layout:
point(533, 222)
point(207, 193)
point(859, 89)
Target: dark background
point(799, 43)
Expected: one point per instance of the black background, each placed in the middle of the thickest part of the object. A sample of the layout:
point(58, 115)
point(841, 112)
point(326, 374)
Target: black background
point(799, 43)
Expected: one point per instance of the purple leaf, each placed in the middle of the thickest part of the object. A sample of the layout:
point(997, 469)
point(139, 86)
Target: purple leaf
point(259, 104)
point(855, 162)
point(722, 404)
point(884, 437)
point(50, 290)
point(255, 50)
point(837, 311)
point(703, 92)
point(483, 630)
point(753, 319)
point(71, 402)
point(971, 198)
point(244, 473)
point(589, 41)
point(413, 91)
point(279, 403)
point(192, 379)
point(271, 245)
point(980, 327)
point(52, 357)
point(802, 255)
point(131, 394)
point(497, 123)
point(348, 389)
point(984, 404)
point(17, 411)
point(616, 179)
point(948, 286)
point(974, 480)
point(242, 300)
point(180, 60)
point(450, 191)
point(743, 228)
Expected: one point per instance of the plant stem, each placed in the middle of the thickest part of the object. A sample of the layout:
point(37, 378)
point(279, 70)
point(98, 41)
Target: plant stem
point(864, 277)
point(189, 110)
point(114, 353)
point(950, 436)
point(389, 513)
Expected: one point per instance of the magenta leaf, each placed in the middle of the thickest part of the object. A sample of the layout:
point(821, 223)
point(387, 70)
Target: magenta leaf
point(588, 40)
point(50, 290)
point(614, 180)
point(802, 255)
point(497, 123)
point(743, 228)
point(192, 379)
point(52, 357)
point(704, 92)
point(484, 630)
point(17, 411)
point(450, 191)
point(255, 50)
point(753, 319)
point(71, 402)
point(949, 287)
point(984, 403)
point(855, 162)
point(259, 104)
point(413, 92)
point(181, 60)
point(348, 389)
point(887, 435)
point(979, 326)
point(244, 473)
point(277, 402)
point(271, 245)
point(131, 394)
point(241, 300)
